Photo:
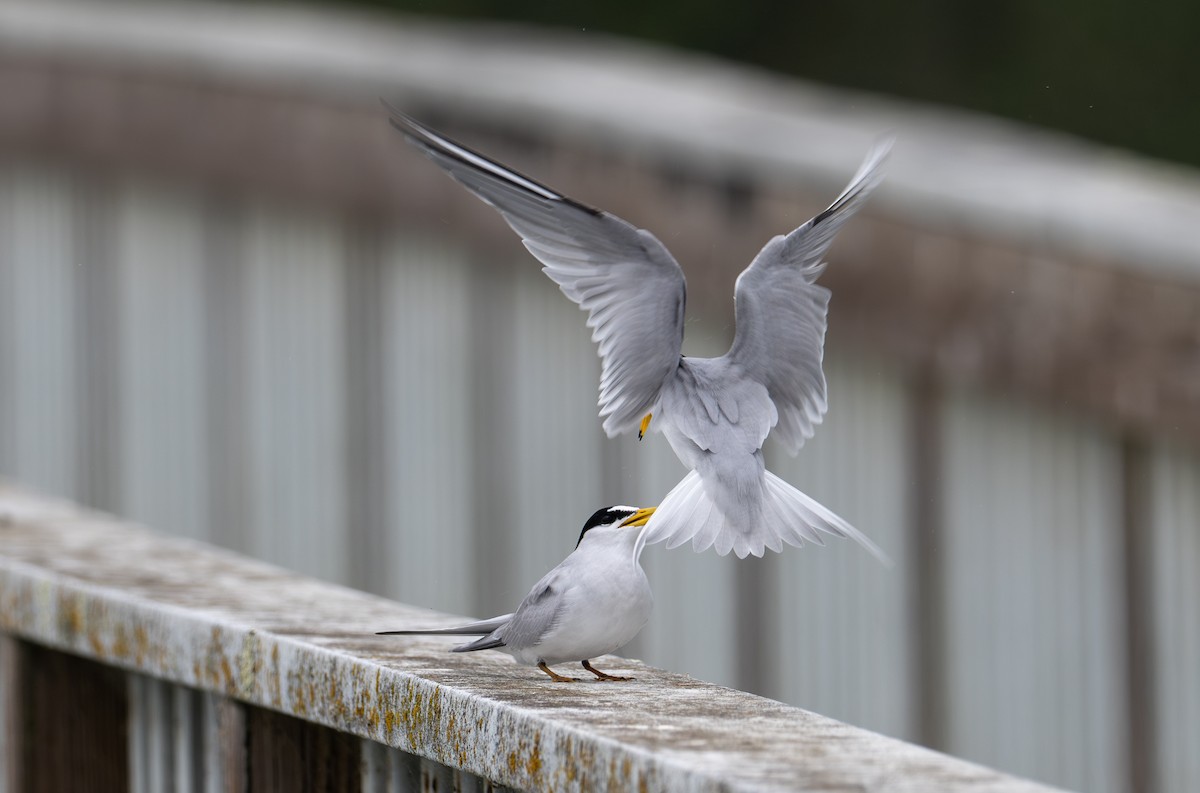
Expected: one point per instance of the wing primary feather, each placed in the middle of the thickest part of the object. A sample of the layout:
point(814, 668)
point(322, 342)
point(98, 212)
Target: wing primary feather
point(865, 179)
point(470, 629)
point(426, 139)
point(486, 643)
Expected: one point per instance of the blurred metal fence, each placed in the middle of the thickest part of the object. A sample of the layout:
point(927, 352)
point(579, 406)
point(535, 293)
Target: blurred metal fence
point(233, 305)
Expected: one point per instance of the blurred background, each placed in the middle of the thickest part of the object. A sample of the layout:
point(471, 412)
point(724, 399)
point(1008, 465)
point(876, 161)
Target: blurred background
point(236, 307)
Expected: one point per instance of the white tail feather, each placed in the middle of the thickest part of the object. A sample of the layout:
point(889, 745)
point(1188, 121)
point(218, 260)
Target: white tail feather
point(787, 515)
point(817, 516)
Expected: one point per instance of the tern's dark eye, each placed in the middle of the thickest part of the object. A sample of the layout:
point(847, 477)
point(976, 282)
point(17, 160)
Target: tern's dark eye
point(605, 517)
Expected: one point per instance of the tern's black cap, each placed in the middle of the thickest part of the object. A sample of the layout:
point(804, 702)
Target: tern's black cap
point(604, 517)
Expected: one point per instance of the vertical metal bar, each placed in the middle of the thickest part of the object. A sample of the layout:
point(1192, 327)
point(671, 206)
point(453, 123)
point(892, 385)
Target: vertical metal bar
point(97, 347)
point(8, 328)
point(435, 776)
point(225, 363)
point(406, 773)
point(38, 328)
point(492, 299)
point(210, 759)
point(753, 586)
point(159, 745)
point(188, 749)
point(465, 782)
point(11, 716)
point(376, 767)
point(928, 663)
point(139, 781)
point(1140, 641)
point(228, 767)
point(366, 459)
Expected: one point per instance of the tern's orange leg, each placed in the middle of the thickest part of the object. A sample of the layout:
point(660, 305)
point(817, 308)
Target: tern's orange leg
point(555, 676)
point(603, 675)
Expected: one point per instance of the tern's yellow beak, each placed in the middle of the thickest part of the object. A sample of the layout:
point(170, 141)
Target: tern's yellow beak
point(645, 424)
point(638, 518)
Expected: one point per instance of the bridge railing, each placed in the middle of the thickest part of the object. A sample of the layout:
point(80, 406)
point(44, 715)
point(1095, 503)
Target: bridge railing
point(133, 661)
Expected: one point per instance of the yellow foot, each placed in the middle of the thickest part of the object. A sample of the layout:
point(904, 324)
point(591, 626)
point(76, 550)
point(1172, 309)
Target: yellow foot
point(645, 424)
point(604, 675)
point(556, 677)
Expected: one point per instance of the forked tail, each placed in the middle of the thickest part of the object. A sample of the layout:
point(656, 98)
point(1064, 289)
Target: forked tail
point(785, 515)
point(472, 629)
point(483, 629)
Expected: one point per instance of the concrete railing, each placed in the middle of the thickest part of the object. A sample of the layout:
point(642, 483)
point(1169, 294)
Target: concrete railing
point(134, 661)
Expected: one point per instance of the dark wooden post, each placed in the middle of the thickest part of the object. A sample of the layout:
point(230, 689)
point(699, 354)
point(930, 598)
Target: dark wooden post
point(68, 720)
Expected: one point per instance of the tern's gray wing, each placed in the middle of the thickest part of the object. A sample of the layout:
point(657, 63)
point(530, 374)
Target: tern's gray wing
point(627, 281)
point(538, 612)
point(781, 311)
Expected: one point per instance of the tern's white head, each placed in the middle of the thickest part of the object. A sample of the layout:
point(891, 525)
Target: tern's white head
point(615, 523)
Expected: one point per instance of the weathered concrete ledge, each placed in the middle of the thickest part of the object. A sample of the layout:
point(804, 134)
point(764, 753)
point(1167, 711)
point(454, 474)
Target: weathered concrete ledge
point(89, 584)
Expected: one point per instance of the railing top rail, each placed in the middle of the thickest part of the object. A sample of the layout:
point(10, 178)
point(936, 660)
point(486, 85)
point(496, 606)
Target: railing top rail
point(89, 584)
point(951, 169)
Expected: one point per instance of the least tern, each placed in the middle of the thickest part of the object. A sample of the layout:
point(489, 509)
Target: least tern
point(593, 603)
point(715, 412)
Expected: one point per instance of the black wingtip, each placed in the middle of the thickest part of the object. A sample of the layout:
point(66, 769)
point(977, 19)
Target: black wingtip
point(437, 145)
point(395, 112)
point(403, 123)
point(475, 646)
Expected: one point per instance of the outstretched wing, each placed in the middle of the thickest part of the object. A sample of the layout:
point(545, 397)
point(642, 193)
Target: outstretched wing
point(627, 281)
point(781, 311)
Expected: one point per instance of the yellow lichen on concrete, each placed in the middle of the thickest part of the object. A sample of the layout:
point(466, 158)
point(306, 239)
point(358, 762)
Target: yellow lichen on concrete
point(299, 695)
point(525, 762)
point(385, 699)
point(455, 740)
point(514, 763)
point(335, 703)
point(574, 761)
point(249, 660)
point(96, 645)
point(274, 684)
point(412, 731)
point(120, 642)
point(141, 644)
point(365, 700)
point(218, 672)
point(70, 617)
point(533, 762)
point(12, 610)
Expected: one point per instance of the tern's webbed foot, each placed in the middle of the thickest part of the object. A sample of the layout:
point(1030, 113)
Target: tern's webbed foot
point(604, 675)
point(556, 677)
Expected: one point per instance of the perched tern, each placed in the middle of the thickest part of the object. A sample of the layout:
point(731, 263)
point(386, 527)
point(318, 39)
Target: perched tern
point(593, 603)
point(715, 412)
